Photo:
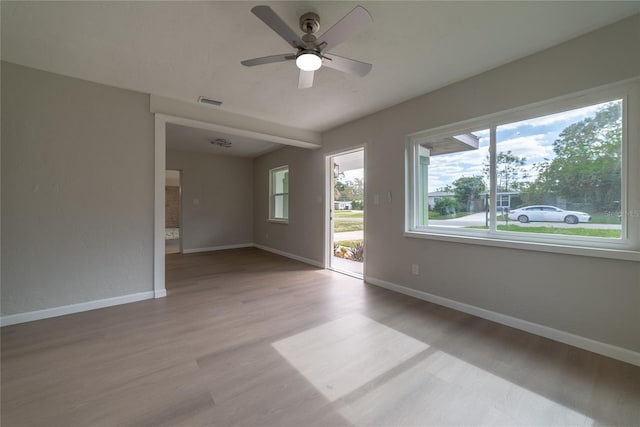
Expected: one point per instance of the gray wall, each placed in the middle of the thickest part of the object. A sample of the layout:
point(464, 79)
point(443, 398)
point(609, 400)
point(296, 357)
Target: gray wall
point(303, 235)
point(77, 191)
point(591, 297)
point(217, 199)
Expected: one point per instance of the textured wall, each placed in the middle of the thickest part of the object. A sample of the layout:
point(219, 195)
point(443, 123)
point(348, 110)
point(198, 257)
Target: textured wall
point(77, 191)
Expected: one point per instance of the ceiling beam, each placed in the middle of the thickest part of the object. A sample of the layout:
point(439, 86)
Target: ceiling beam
point(195, 115)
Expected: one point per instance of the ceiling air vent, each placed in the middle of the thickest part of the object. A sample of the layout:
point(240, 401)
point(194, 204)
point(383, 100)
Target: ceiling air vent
point(209, 101)
point(221, 142)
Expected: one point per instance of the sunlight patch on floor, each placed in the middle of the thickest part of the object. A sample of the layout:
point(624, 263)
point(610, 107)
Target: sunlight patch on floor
point(444, 390)
point(341, 356)
point(379, 376)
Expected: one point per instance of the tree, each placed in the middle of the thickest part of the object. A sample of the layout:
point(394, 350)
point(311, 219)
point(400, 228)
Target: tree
point(445, 205)
point(587, 166)
point(509, 172)
point(347, 190)
point(358, 188)
point(467, 190)
point(445, 189)
point(338, 188)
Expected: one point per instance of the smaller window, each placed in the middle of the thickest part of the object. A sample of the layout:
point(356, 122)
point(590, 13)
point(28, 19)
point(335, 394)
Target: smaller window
point(279, 194)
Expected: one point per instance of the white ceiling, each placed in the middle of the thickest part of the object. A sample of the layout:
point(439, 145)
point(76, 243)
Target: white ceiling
point(183, 50)
point(184, 138)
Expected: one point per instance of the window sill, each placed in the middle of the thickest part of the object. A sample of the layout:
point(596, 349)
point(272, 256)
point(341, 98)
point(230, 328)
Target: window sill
point(619, 254)
point(278, 221)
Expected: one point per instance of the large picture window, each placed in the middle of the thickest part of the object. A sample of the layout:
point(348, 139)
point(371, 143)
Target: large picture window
point(554, 173)
point(279, 194)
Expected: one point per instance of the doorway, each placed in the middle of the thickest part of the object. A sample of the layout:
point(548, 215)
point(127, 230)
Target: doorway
point(346, 185)
point(173, 212)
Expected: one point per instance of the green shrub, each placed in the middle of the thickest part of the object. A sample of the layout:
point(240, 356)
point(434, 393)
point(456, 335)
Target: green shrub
point(357, 253)
point(446, 206)
point(357, 205)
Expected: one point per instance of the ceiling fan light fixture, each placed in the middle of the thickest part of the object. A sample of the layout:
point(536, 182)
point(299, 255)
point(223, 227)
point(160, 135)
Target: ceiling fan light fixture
point(308, 61)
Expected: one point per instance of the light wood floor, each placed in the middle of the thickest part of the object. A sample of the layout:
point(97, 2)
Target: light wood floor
point(249, 338)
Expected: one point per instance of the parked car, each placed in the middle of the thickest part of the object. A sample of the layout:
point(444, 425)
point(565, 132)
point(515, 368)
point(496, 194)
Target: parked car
point(548, 213)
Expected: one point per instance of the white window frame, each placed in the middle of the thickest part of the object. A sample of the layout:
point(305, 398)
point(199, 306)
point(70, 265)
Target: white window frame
point(272, 195)
point(627, 247)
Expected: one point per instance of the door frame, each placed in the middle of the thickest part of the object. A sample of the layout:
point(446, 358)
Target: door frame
point(328, 226)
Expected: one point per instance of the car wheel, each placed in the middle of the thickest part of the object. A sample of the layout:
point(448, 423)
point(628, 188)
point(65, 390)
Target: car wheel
point(571, 219)
point(523, 219)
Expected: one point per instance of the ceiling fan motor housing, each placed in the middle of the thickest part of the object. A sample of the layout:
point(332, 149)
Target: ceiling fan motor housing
point(310, 22)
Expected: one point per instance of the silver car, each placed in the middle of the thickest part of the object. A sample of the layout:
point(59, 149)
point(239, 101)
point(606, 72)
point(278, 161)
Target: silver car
point(548, 213)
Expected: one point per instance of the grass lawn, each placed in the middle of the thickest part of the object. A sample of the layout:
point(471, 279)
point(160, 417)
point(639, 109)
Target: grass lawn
point(436, 215)
point(605, 218)
point(348, 214)
point(589, 232)
point(350, 221)
point(343, 226)
point(349, 243)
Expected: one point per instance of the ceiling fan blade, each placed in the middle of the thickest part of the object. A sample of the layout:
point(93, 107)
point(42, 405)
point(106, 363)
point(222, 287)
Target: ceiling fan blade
point(346, 65)
point(353, 22)
point(305, 80)
point(268, 59)
point(269, 17)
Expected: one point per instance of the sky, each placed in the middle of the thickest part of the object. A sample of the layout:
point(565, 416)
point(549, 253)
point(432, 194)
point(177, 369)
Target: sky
point(532, 139)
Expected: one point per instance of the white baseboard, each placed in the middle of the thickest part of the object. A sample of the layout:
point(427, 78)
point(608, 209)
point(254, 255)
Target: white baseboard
point(604, 349)
point(254, 245)
point(217, 248)
point(160, 293)
point(30, 316)
point(292, 256)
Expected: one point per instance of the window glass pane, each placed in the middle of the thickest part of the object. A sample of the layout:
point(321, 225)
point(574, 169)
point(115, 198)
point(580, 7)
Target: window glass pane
point(452, 182)
point(281, 181)
point(562, 172)
point(281, 206)
point(279, 201)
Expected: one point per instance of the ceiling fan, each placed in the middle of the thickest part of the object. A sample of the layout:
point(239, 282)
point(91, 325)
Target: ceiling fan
point(311, 52)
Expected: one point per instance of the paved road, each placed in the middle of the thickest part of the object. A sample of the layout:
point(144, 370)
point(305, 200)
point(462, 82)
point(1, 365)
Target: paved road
point(478, 219)
point(348, 235)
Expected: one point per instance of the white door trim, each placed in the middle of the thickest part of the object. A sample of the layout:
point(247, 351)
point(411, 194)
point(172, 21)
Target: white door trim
point(159, 289)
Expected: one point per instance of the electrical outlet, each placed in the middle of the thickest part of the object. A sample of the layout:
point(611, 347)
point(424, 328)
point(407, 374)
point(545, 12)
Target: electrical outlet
point(415, 269)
